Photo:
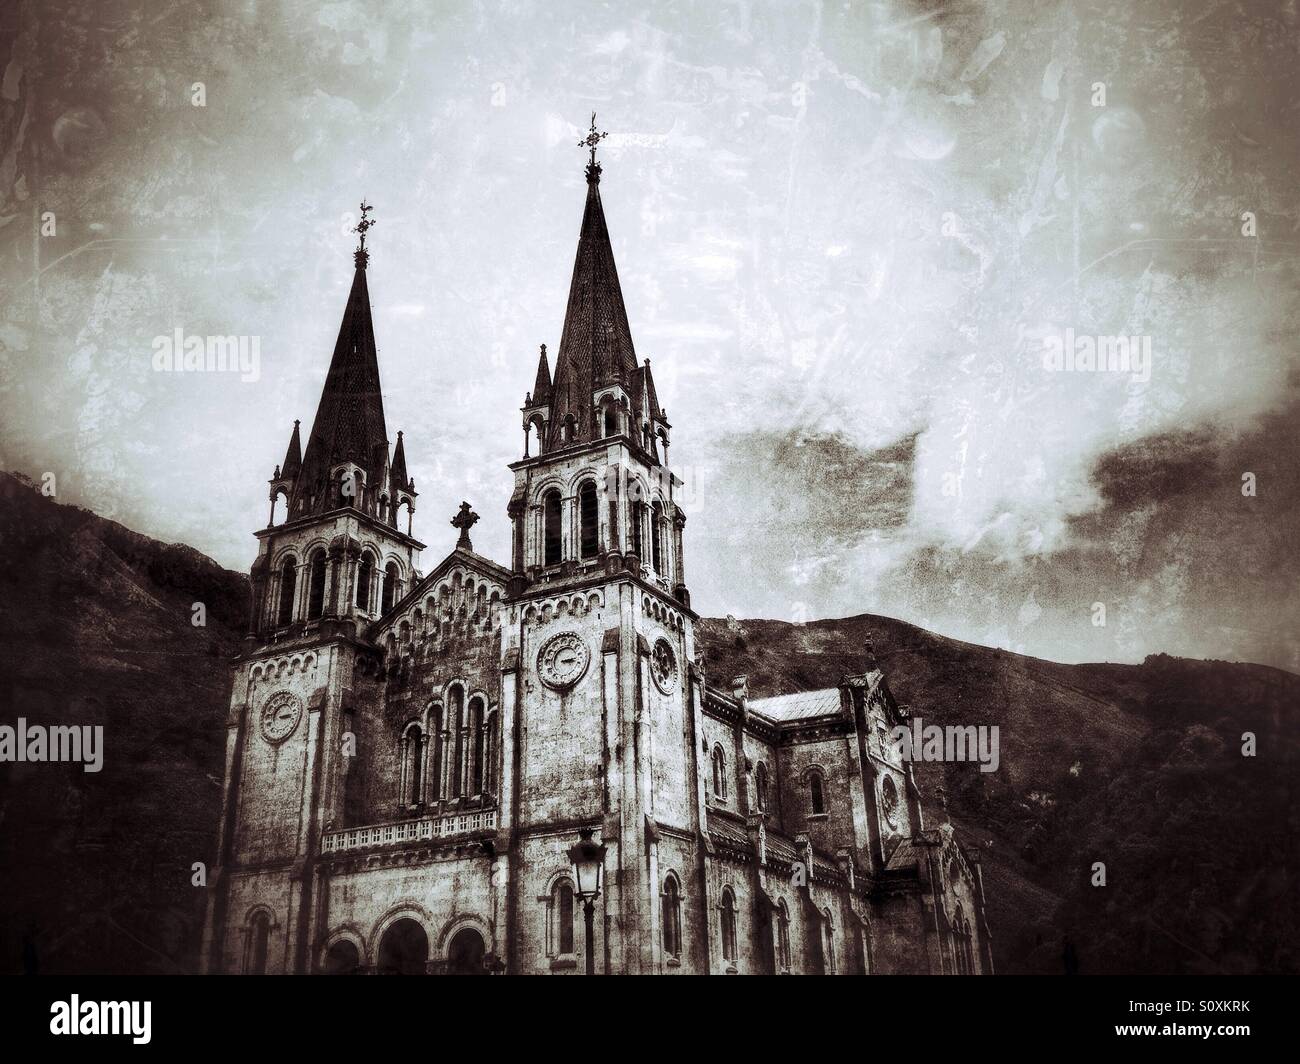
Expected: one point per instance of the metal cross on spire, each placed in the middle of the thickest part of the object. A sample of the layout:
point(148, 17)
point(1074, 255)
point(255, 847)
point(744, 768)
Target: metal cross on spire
point(361, 255)
point(590, 141)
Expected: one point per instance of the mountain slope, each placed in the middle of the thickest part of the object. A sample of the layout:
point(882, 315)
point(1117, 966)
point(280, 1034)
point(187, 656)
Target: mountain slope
point(1139, 767)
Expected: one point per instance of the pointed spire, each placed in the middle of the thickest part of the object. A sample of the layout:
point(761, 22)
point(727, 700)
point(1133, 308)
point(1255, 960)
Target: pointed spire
point(397, 474)
point(596, 345)
point(349, 424)
point(292, 457)
point(541, 392)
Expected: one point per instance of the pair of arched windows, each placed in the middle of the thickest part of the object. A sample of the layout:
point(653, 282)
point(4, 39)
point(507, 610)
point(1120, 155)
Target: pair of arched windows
point(963, 945)
point(553, 524)
point(719, 774)
point(727, 925)
point(465, 749)
point(782, 937)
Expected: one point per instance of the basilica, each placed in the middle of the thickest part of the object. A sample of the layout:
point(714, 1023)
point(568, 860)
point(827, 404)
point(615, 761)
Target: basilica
point(414, 756)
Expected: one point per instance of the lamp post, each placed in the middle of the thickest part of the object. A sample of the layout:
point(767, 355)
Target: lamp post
point(588, 859)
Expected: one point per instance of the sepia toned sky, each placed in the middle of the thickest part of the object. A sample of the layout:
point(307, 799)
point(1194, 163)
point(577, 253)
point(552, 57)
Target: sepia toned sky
point(846, 232)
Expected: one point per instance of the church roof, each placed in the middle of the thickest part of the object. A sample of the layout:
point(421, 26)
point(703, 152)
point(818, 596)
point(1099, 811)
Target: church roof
point(349, 423)
point(596, 345)
point(801, 705)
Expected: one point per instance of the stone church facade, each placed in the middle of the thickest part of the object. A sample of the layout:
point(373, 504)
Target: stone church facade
point(410, 755)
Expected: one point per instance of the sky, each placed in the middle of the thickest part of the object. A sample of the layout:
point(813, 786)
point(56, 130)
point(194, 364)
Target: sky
point(850, 236)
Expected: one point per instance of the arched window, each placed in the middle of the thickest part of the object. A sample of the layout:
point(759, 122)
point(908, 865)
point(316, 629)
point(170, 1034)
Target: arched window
point(588, 511)
point(455, 723)
point(404, 949)
point(316, 597)
point(562, 917)
point(342, 958)
point(672, 917)
point(728, 924)
point(390, 587)
point(365, 575)
point(412, 782)
point(782, 936)
point(439, 743)
point(760, 787)
point(816, 793)
point(570, 428)
point(551, 530)
point(466, 952)
point(257, 947)
point(476, 748)
point(288, 587)
point(828, 942)
point(490, 745)
point(611, 421)
point(719, 774)
point(638, 530)
point(657, 536)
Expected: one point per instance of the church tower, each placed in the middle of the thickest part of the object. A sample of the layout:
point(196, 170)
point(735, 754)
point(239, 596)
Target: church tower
point(605, 638)
point(339, 557)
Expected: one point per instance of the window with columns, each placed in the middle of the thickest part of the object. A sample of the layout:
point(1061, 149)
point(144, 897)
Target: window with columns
point(456, 738)
point(727, 918)
point(588, 518)
point(316, 585)
point(412, 753)
point(288, 588)
point(391, 578)
point(438, 738)
point(657, 536)
point(365, 576)
point(552, 525)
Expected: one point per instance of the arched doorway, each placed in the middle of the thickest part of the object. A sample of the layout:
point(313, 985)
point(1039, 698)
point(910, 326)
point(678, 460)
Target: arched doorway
point(404, 949)
point(342, 958)
point(465, 954)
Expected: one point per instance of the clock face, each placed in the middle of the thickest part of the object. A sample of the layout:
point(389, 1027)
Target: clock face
point(889, 800)
point(663, 666)
point(562, 660)
point(280, 715)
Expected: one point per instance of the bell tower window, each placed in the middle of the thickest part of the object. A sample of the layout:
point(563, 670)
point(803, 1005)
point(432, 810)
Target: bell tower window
point(316, 599)
point(551, 521)
point(588, 509)
point(288, 586)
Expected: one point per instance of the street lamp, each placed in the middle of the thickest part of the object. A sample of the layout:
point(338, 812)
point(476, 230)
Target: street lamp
point(588, 859)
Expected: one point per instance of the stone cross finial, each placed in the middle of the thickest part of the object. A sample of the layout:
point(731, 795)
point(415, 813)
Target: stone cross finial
point(464, 520)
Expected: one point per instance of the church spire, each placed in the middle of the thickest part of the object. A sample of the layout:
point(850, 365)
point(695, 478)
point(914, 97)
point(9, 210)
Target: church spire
point(293, 456)
point(541, 393)
point(596, 345)
point(349, 426)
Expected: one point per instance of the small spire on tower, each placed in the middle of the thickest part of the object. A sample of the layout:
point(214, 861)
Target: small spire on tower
point(361, 256)
point(292, 457)
point(590, 141)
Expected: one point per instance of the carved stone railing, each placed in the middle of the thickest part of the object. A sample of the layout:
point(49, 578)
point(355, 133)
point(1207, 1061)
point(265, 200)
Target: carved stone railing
point(423, 829)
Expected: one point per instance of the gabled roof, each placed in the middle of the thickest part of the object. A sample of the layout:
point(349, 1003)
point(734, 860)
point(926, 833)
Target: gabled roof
point(801, 705)
point(476, 563)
